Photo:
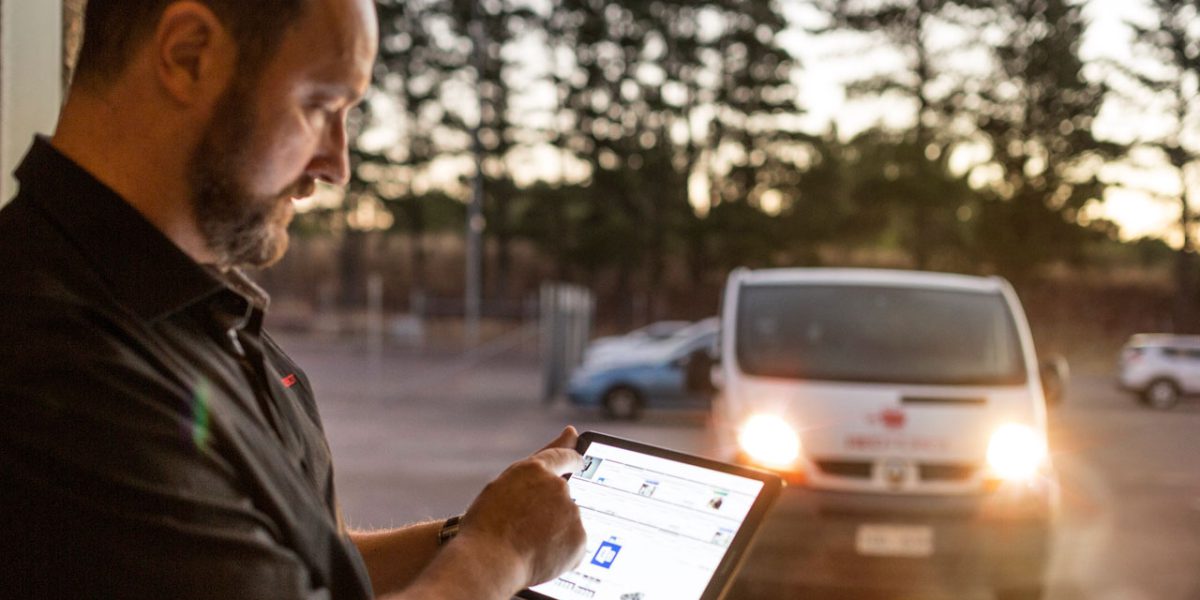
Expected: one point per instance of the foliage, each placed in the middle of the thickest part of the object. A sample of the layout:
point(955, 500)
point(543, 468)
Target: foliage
point(1036, 113)
point(624, 139)
point(1172, 44)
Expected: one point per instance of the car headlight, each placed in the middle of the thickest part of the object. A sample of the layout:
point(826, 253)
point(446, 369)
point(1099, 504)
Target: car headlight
point(769, 441)
point(1016, 452)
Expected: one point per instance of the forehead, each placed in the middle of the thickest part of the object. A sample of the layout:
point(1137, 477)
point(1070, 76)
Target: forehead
point(332, 44)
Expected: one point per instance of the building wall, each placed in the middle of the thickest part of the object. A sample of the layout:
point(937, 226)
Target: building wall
point(72, 35)
point(31, 78)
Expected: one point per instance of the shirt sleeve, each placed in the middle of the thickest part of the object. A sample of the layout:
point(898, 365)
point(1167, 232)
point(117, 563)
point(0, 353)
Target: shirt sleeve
point(110, 484)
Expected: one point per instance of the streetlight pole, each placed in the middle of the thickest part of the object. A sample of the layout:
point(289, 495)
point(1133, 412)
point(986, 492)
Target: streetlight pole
point(475, 220)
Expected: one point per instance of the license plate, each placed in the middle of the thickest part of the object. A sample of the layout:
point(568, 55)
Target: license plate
point(894, 540)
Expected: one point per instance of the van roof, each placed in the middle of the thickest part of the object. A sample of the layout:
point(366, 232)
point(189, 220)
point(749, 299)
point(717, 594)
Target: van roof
point(1164, 339)
point(880, 277)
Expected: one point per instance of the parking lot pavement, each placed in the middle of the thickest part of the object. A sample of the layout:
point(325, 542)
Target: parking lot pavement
point(416, 437)
point(1130, 527)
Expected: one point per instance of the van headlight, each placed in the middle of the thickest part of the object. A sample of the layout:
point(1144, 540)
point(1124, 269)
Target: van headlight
point(769, 441)
point(1016, 452)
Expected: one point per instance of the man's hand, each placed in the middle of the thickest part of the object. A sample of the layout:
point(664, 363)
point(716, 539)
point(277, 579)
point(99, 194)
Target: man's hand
point(522, 530)
point(528, 511)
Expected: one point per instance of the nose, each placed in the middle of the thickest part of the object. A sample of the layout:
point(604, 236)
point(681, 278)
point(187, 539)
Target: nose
point(331, 163)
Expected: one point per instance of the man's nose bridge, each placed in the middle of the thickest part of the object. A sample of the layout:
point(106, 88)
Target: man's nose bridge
point(332, 161)
point(341, 150)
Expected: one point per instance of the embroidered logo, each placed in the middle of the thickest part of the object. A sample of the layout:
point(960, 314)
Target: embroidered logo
point(289, 381)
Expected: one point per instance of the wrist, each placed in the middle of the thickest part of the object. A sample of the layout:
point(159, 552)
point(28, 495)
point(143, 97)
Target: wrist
point(475, 565)
point(449, 530)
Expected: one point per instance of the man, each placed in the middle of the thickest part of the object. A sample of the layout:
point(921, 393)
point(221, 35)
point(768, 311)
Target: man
point(154, 441)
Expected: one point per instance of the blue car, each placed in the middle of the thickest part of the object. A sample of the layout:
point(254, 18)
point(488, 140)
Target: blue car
point(670, 373)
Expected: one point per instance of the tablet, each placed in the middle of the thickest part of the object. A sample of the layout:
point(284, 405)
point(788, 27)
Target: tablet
point(661, 525)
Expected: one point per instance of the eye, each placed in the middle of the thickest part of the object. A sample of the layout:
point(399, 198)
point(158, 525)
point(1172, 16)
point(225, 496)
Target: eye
point(320, 108)
point(323, 106)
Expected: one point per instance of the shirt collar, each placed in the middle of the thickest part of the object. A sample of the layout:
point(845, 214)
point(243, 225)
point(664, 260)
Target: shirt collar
point(145, 270)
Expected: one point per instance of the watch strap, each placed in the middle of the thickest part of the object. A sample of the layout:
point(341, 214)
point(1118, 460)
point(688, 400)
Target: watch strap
point(449, 529)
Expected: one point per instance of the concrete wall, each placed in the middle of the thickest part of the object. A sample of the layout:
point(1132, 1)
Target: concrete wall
point(31, 78)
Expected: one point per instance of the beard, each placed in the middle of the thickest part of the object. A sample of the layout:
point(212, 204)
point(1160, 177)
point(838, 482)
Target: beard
point(241, 228)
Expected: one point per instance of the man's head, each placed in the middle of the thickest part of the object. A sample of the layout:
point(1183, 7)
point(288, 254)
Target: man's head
point(115, 28)
point(261, 87)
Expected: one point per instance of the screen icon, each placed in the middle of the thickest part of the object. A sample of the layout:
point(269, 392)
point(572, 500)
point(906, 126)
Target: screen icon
point(606, 555)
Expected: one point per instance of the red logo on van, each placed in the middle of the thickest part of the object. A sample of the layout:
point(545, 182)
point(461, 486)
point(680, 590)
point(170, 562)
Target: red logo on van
point(891, 418)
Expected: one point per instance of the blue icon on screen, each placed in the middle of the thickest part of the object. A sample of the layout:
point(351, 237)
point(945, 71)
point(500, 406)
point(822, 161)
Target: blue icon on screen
point(606, 555)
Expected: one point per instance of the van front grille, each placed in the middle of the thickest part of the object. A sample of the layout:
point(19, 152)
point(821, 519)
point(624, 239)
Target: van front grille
point(946, 472)
point(862, 469)
point(856, 469)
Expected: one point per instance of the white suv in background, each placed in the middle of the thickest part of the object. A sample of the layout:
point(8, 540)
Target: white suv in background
point(906, 410)
point(1160, 368)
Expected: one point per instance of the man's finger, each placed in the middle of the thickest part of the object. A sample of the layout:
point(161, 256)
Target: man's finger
point(560, 461)
point(566, 439)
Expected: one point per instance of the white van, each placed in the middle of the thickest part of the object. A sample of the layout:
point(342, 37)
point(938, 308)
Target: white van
point(906, 410)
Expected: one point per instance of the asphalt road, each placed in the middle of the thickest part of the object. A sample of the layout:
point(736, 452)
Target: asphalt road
point(415, 437)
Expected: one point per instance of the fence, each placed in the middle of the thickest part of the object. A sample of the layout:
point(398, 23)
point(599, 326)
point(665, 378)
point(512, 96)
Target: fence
point(566, 323)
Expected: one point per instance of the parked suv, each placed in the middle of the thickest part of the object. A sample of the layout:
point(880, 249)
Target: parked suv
point(1160, 368)
point(906, 410)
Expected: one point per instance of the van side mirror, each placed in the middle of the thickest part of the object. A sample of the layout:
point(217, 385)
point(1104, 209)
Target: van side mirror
point(717, 376)
point(1055, 374)
point(698, 371)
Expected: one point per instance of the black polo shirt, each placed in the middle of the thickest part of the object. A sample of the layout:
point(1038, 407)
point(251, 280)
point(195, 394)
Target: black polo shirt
point(154, 440)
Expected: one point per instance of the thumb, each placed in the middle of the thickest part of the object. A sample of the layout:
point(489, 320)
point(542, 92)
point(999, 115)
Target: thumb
point(560, 461)
point(566, 439)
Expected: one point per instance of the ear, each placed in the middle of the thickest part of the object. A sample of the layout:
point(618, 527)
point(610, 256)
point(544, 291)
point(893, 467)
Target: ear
point(194, 53)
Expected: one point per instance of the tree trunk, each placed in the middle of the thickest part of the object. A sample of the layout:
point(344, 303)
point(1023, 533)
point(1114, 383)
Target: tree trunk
point(351, 267)
point(1186, 292)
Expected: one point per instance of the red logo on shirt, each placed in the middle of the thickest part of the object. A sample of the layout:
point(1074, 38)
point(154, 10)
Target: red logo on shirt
point(289, 381)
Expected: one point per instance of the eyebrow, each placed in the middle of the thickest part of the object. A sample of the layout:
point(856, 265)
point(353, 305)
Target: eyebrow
point(340, 90)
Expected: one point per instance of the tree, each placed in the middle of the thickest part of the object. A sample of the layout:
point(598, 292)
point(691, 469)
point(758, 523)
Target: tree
point(650, 99)
point(892, 170)
point(1036, 112)
point(934, 90)
point(1172, 43)
point(414, 67)
point(492, 27)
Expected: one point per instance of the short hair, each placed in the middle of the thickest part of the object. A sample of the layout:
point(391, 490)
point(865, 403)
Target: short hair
point(112, 29)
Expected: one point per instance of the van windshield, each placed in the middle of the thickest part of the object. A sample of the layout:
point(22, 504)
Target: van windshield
point(878, 335)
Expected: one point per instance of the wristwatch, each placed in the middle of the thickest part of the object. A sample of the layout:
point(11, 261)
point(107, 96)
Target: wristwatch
point(449, 529)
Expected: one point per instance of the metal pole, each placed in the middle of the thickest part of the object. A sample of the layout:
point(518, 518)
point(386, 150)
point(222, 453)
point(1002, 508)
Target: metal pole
point(475, 221)
point(375, 316)
point(547, 313)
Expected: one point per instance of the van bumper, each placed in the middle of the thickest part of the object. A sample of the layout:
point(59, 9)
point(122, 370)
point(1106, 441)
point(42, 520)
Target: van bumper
point(997, 540)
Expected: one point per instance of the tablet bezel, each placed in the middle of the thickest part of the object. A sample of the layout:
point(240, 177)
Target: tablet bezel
point(725, 572)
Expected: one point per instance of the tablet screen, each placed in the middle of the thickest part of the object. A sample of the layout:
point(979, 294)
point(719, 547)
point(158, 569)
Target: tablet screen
point(656, 528)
